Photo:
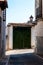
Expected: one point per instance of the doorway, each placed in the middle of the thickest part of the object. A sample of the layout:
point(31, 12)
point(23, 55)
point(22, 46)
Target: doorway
point(21, 37)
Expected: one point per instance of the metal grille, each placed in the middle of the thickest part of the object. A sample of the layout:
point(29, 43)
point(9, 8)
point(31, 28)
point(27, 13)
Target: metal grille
point(4, 15)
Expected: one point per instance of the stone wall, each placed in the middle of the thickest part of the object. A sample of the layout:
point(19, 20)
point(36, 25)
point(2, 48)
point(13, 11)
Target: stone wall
point(37, 37)
point(39, 44)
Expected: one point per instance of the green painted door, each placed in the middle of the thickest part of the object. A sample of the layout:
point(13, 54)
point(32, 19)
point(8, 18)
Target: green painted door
point(21, 37)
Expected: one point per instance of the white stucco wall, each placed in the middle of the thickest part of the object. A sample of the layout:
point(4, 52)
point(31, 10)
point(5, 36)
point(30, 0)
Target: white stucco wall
point(10, 36)
point(33, 37)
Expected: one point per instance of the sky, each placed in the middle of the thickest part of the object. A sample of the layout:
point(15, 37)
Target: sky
point(19, 11)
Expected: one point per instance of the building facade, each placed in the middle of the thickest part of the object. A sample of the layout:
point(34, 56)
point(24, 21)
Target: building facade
point(37, 37)
point(18, 36)
point(38, 8)
point(3, 6)
point(37, 30)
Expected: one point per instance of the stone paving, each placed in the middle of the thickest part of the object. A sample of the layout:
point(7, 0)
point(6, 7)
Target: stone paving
point(21, 57)
point(4, 60)
point(25, 59)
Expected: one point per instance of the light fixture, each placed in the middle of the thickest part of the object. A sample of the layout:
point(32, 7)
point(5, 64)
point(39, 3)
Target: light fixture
point(31, 18)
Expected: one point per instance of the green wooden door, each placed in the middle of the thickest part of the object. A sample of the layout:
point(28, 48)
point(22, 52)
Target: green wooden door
point(21, 37)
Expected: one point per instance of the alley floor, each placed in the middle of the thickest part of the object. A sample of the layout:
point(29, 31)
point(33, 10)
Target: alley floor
point(25, 59)
point(21, 57)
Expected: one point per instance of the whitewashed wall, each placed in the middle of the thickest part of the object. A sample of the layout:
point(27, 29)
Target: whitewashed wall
point(10, 36)
point(33, 37)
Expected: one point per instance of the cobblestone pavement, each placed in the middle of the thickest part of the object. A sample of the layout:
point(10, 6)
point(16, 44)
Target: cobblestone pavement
point(4, 60)
point(25, 59)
